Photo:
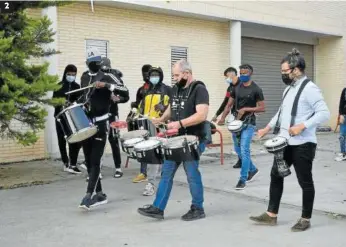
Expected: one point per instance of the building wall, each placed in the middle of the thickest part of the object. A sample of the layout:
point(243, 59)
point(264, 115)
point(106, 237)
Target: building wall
point(136, 38)
point(10, 150)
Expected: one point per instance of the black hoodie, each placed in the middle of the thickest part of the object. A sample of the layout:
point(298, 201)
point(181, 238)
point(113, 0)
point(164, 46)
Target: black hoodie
point(66, 87)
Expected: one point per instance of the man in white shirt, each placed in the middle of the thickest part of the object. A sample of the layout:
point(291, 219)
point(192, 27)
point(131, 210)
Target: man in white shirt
point(301, 134)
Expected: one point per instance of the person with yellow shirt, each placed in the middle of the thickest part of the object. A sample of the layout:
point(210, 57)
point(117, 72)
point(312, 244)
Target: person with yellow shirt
point(153, 105)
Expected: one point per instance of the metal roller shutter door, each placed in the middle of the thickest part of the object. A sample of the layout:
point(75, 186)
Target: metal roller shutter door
point(265, 57)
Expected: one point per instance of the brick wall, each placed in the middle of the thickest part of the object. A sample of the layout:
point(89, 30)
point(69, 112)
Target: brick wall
point(136, 38)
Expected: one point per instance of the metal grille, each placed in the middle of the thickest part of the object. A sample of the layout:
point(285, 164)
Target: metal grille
point(177, 53)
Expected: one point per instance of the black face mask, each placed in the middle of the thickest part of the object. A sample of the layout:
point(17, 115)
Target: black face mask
point(94, 67)
point(182, 83)
point(286, 79)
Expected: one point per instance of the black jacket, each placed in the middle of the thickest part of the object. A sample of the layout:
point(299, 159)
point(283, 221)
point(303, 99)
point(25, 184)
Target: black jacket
point(114, 109)
point(342, 103)
point(60, 93)
point(99, 99)
point(225, 101)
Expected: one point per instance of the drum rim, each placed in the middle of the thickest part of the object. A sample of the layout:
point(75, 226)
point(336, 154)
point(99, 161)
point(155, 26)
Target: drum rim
point(166, 145)
point(124, 134)
point(93, 127)
point(133, 144)
point(151, 147)
point(285, 142)
point(68, 108)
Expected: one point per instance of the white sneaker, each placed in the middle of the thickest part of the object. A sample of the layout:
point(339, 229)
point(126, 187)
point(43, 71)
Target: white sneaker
point(341, 157)
point(149, 190)
point(83, 166)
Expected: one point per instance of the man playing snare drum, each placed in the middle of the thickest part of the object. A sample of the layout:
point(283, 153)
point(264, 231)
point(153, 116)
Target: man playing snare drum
point(187, 111)
point(248, 99)
point(301, 134)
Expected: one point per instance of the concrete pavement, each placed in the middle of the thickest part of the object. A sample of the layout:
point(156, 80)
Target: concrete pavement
point(48, 215)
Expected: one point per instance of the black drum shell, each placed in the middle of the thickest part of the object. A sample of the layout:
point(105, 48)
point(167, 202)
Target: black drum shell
point(274, 150)
point(151, 156)
point(182, 154)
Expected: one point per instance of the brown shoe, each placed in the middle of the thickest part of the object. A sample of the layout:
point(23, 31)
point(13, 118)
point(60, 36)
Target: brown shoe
point(301, 225)
point(264, 219)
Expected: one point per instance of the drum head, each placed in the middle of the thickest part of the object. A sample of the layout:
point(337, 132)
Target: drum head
point(118, 124)
point(171, 132)
point(235, 125)
point(147, 145)
point(82, 134)
point(133, 141)
point(134, 134)
point(178, 141)
point(275, 142)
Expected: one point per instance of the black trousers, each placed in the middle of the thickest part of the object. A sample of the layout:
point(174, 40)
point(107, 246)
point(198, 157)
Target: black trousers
point(73, 147)
point(93, 150)
point(114, 142)
point(301, 157)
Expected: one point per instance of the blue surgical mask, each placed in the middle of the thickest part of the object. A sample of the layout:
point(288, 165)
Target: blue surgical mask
point(244, 78)
point(229, 80)
point(70, 78)
point(154, 80)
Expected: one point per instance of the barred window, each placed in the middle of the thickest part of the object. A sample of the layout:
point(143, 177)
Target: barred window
point(177, 53)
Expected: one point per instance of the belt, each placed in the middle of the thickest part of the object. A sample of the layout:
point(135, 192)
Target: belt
point(100, 118)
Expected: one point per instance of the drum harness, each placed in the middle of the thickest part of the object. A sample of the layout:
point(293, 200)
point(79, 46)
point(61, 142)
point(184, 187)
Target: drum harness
point(179, 102)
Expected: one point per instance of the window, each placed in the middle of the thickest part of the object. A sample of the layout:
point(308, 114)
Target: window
point(101, 45)
point(177, 53)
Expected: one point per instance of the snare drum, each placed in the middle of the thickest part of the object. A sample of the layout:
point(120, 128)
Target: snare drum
point(146, 124)
point(181, 148)
point(276, 144)
point(134, 136)
point(235, 126)
point(129, 144)
point(75, 124)
point(150, 151)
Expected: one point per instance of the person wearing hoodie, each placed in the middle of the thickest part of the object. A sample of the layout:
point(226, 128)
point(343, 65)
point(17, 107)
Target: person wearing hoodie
point(68, 83)
point(187, 111)
point(114, 116)
point(153, 105)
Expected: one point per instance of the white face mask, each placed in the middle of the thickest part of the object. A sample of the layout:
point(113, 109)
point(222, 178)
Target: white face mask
point(70, 78)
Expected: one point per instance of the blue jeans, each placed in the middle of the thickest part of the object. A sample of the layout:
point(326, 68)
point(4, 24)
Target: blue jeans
point(342, 137)
point(243, 151)
point(144, 167)
point(194, 179)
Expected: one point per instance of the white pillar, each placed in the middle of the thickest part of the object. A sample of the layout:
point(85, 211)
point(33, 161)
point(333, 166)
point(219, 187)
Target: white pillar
point(235, 44)
point(51, 140)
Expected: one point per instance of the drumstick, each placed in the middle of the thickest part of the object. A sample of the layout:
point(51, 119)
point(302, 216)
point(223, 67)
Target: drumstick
point(80, 89)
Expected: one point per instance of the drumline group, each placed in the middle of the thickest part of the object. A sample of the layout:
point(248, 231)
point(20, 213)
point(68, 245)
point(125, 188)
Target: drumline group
point(167, 126)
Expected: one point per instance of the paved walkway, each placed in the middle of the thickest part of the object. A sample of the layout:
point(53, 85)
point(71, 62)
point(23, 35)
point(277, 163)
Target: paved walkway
point(47, 215)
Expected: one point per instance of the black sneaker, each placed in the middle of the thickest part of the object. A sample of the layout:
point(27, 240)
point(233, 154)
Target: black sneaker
point(240, 185)
point(264, 219)
point(74, 170)
point(252, 175)
point(86, 203)
point(151, 211)
point(238, 164)
point(118, 174)
point(99, 199)
point(193, 214)
point(301, 225)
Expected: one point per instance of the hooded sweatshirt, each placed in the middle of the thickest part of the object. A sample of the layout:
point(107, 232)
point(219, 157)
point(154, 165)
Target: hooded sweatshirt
point(154, 95)
point(66, 87)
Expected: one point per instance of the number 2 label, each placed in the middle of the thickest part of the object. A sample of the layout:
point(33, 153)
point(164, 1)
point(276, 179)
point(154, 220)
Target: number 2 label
point(7, 5)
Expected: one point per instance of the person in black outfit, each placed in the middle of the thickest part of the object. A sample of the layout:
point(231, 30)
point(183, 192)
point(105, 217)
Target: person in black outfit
point(231, 77)
point(141, 92)
point(68, 83)
point(188, 110)
point(114, 116)
point(97, 100)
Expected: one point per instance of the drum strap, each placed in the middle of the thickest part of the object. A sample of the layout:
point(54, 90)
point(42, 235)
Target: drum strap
point(294, 107)
point(295, 103)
